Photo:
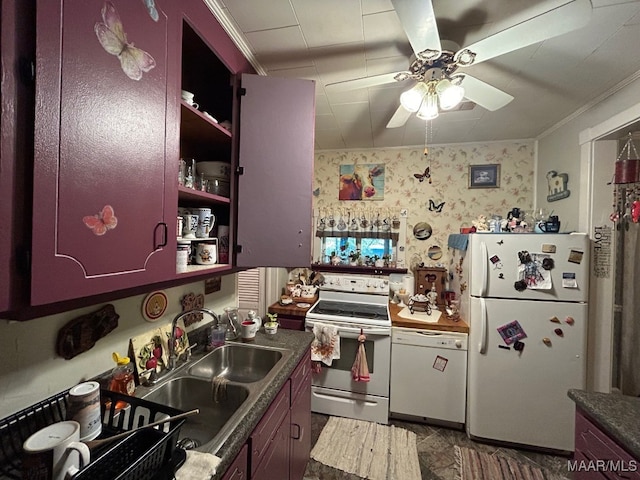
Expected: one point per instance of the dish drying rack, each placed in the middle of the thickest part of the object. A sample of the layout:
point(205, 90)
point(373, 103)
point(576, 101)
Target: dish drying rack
point(143, 455)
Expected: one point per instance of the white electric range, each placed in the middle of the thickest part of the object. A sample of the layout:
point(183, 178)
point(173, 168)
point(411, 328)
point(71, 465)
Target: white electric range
point(354, 304)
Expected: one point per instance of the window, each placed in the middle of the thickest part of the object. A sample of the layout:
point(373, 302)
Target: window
point(369, 248)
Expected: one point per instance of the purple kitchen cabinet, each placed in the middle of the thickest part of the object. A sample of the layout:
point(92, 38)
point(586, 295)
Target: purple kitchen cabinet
point(18, 46)
point(276, 158)
point(301, 428)
point(275, 461)
point(104, 189)
point(239, 469)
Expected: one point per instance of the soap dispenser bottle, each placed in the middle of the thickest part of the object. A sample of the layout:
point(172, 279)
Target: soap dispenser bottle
point(122, 380)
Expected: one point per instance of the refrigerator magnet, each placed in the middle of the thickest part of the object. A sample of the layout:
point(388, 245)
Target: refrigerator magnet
point(569, 280)
point(497, 264)
point(511, 332)
point(548, 248)
point(575, 256)
point(440, 363)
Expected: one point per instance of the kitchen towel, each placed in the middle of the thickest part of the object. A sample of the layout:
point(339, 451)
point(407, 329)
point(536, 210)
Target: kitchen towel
point(197, 465)
point(360, 369)
point(326, 346)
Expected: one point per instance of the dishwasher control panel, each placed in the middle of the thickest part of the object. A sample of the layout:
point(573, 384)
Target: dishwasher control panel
point(430, 338)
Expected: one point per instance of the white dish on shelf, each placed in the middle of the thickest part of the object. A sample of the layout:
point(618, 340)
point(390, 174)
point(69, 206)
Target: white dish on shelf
point(303, 305)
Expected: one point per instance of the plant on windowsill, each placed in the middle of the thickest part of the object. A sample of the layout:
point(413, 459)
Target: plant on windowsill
point(354, 257)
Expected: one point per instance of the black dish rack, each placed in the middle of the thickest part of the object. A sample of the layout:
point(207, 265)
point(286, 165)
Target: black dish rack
point(144, 455)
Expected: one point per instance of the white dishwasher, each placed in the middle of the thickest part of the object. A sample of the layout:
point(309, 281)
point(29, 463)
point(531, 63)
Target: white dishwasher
point(428, 375)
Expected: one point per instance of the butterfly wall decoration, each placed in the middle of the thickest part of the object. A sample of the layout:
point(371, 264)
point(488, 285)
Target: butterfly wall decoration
point(433, 207)
point(102, 221)
point(111, 35)
point(422, 176)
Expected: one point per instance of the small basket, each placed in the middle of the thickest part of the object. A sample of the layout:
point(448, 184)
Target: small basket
point(418, 306)
point(141, 456)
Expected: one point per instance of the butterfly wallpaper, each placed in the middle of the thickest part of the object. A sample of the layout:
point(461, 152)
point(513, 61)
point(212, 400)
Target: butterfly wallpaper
point(447, 203)
point(112, 37)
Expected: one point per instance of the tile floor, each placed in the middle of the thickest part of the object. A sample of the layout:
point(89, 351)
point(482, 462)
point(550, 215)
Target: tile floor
point(435, 453)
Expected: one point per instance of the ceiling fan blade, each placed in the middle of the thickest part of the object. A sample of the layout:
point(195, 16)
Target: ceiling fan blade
point(565, 18)
point(399, 118)
point(419, 23)
point(361, 83)
point(483, 94)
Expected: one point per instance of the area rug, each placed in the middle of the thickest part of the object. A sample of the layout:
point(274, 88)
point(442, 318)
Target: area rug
point(474, 465)
point(369, 450)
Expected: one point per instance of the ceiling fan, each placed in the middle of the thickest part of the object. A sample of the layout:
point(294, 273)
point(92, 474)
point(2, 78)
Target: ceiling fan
point(438, 84)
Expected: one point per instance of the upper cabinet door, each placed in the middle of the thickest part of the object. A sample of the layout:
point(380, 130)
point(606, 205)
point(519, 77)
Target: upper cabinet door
point(276, 158)
point(100, 170)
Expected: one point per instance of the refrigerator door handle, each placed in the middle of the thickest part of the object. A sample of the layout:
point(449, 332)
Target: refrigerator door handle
point(483, 256)
point(482, 344)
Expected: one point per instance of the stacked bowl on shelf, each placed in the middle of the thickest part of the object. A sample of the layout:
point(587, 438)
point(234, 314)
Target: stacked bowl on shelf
point(218, 176)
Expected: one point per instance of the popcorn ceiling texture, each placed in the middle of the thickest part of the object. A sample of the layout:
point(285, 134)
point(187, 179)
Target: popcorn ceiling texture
point(449, 175)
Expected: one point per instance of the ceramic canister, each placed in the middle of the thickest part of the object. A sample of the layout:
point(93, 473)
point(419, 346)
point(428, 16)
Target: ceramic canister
point(84, 408)
point(207, 252)
point(182, 256)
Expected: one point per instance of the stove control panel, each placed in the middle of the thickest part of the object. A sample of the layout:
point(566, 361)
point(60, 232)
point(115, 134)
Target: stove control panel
point(358, 284)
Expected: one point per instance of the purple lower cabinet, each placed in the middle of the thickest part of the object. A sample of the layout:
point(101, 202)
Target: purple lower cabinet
point(275, 461)
point(239, 469)
point(300, 431)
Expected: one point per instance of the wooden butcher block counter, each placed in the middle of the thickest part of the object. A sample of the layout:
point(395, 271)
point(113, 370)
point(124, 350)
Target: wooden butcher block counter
point(443, 323)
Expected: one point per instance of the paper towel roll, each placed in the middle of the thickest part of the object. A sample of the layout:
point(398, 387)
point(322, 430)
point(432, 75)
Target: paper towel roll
point(408, 284)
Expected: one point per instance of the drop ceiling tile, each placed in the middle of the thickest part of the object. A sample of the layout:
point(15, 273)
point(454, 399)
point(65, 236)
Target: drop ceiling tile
point(345, 63)
point(329, 22)
point(251, 15)
point(376, 6)
point(326, 122)
point(322, 105)
point(280, 48)
point(329, 139)
point(384, 36)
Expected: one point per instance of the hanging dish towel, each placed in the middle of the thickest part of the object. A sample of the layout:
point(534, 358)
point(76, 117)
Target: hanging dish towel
point(360, 369)
point(326, 346)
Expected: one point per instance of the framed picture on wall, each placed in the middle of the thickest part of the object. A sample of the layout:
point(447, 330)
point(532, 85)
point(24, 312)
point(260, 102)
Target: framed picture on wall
point(484, 176)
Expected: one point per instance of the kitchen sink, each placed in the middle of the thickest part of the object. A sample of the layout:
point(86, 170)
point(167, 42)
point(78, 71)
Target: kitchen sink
point(224, 384)
point(217, 401)
point(237, 363)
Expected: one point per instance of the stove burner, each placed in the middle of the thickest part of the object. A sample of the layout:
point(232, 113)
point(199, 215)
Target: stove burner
point(351, 310)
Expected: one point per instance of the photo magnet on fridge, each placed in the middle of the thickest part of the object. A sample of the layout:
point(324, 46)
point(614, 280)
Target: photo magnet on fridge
point(575, 256)
point(511, 332)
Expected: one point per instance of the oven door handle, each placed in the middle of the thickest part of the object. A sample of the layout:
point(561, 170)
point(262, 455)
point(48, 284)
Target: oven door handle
point(343, 329)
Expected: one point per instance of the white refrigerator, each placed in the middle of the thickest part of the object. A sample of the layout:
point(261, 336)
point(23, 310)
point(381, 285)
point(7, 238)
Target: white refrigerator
point(526, 304)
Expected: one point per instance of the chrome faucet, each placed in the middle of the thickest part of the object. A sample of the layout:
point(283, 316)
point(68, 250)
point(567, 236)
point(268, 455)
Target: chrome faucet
point(173, 358)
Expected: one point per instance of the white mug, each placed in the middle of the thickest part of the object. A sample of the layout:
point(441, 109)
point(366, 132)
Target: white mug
point(205, 222)
point(190, 226)
point(248, 330)
point(84, 408)
point(54, 452)
point(188, 97)
point(207, 252)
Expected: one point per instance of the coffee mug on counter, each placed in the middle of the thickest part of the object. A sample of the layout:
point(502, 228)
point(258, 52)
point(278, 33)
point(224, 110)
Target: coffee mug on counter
point(54, 452)
point(248, 330)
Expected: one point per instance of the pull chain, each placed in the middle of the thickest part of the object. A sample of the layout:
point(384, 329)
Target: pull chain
point(428, 133)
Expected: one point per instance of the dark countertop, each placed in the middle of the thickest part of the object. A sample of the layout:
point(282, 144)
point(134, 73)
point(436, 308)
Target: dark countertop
point(617, 415)
point(292, 310)
point(294, 340)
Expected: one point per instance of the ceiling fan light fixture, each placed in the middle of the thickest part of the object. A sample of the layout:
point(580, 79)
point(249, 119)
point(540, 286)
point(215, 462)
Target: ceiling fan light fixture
point(449, 94)
point(412, 99)
point(429, 108)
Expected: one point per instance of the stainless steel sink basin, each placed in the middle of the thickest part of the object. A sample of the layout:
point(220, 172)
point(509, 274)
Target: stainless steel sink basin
point(237, 363)
point(217, 402)
point(241, 371)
